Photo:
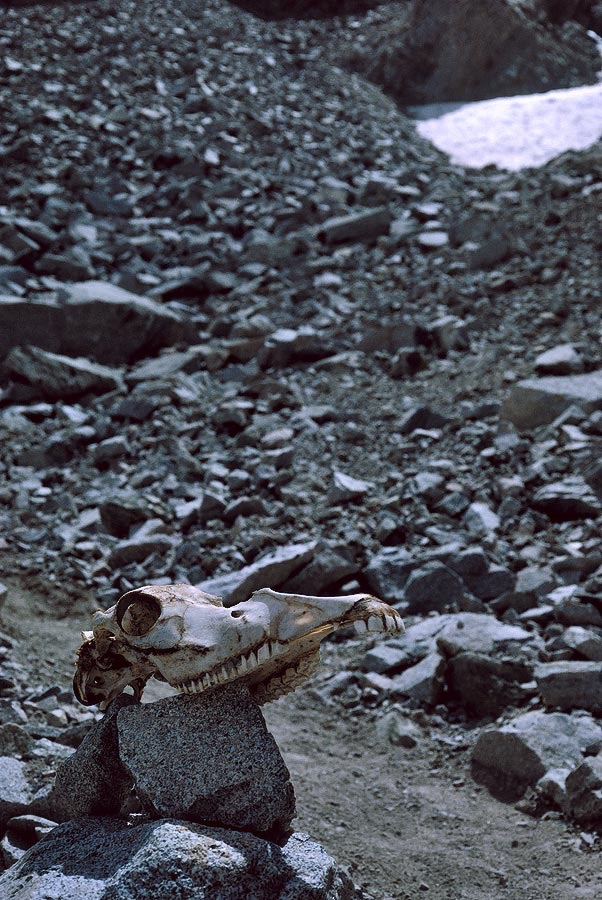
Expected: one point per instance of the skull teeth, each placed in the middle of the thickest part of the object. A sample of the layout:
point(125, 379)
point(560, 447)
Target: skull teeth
point(360, 626)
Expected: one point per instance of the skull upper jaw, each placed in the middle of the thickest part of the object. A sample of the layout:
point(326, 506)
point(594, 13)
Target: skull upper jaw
point(195, 644)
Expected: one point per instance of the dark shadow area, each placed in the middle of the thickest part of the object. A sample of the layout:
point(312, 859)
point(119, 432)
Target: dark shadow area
point(305, 9)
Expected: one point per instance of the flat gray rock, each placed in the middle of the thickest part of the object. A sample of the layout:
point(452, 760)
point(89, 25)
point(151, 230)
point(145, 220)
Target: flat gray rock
point(571, 684)
point(58, 377)
point(538, 401)
point(98, 859)
point(94, 319)
point(15, 791)
point(510, 758)
point(271, 570)
point(208, 758)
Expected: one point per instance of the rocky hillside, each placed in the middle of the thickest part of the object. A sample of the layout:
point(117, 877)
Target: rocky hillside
point(254, 331)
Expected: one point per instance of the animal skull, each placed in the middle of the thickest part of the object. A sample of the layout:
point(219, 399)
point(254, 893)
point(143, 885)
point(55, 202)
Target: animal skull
point(188, 638)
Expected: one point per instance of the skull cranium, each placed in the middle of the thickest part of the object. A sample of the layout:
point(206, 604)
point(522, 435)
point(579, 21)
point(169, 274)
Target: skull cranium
point(189, 639)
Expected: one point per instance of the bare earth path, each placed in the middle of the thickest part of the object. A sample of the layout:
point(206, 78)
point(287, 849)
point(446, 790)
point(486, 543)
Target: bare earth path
point(409, 823)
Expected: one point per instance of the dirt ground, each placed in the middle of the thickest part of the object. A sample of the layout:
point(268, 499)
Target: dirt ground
point(407, 822)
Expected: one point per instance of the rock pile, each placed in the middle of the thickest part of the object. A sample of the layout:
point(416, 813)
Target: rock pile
point(200, 759)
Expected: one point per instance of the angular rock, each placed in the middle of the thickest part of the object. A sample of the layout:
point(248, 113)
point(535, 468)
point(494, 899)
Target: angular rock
point(93, 319)
point(466, 632)
point(387, 573)
point(481, 520)
point(583, 801)
point(365, 225)
point(58, 377)
point(22, 832)
point(165, 859)
point(584, 642)
point(485, 686)
point(491, 584)
point(326, 569)
point(93, 781)
point(502, 51)
point(510, 758)
point(422, 682)
point(567, 501)
point(120, 513)
point(271, 570)
point(345, 488)
point(138, 549)
point(227, 769)
point(571, 685)
point(15, 790)
point(538, 401)
point(561, 360)
point(433, 587)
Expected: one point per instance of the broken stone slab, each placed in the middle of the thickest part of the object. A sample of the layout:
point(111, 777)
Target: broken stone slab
point(433, 586)
point(225, 769)
point(568, 500)
point(583, 786)
point(476, 632)
point(510, 758)
point(345, 488)
point(169, 364)
point(387, 573)
point(328, 567)
point(93, 781)
point(58, 377)
point(15, 790)
point(422, 682)
point(480, 520)
point(364, 225)
point(138, 549)
point(93, 319)
point(171, 858)
point(272, 569)
point(485, 686)
point(571, 684)
point(583, 641)
point(538, 401)
point(563, 359)
point(22, 832)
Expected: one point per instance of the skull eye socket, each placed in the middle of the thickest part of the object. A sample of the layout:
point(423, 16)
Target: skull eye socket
point(136, 613)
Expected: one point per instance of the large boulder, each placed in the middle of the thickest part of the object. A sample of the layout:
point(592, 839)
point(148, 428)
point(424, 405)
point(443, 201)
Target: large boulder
point(510, 758)
point(94, 319)
point(208, 758)
point(470, 50)
point(92, 859)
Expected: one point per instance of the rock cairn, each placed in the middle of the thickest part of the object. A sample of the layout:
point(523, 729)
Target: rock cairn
point(206, 759)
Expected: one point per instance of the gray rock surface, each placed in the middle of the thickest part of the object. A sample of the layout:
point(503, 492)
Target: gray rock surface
point(96, 858)
point(15, 789)
point(571, 684)
point(54, 376)
point(583, 785)
point(208, 758)
point(511, 757)
point(93, 781)
point(271, 570)
point(538, 401)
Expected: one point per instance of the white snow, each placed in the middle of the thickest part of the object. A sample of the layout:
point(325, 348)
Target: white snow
point(514, 132)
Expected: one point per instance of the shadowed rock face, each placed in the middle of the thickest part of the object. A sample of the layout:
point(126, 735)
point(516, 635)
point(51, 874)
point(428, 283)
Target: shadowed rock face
point(305, 9)
point(454, 52)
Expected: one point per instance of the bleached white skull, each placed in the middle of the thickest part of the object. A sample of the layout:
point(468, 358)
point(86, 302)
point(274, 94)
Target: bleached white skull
point(189, 639)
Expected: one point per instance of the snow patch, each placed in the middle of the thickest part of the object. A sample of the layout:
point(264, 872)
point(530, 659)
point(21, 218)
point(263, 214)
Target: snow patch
point(514, 132)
